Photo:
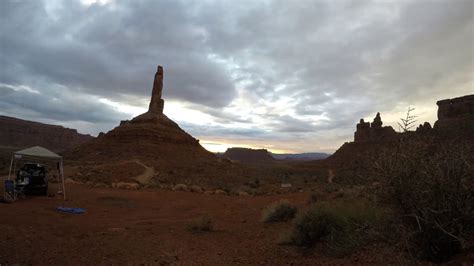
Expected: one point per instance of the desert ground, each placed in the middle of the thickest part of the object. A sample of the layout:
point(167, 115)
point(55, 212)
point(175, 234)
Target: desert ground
point(151, 227)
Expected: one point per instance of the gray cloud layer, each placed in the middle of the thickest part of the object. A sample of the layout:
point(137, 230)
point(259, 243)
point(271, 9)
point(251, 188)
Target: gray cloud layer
point(327, 62)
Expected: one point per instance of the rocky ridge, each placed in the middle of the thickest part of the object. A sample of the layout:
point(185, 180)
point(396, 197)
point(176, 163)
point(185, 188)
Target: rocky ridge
point(20, 133)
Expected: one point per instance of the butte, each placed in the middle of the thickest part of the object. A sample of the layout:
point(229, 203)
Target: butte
point(151, 141)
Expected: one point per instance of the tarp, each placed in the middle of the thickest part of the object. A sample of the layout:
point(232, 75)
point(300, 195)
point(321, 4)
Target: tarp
point(37, 152)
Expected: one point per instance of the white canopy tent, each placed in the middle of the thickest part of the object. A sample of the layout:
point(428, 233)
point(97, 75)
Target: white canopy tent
point(38, 153)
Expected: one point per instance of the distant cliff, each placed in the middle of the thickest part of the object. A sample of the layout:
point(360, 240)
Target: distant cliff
point(19, 133)
point(248, 155)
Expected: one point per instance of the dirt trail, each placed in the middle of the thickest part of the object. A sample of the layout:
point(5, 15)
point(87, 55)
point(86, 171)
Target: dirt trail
point(330, 176)
point(147, 175)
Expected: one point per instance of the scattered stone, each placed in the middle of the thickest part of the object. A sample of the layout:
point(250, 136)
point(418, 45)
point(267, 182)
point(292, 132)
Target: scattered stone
point(243, 193)
point(101, 185)
point(180, 187)
point(220, 192)
point(126, 185)
point(71, 181)
point(195, 189)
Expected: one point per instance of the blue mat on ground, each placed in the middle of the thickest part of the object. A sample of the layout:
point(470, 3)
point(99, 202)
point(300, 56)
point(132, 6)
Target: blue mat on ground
point(70, 210)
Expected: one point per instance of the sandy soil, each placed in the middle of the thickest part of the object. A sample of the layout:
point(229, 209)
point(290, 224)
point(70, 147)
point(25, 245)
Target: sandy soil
point(150, 227)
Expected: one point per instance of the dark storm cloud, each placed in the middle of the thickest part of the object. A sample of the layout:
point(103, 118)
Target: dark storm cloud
point(60, 106)
point(272, 68)
point(111, 52)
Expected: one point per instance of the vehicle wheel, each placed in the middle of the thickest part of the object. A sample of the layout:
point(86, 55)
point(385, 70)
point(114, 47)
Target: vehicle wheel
point(8, 198)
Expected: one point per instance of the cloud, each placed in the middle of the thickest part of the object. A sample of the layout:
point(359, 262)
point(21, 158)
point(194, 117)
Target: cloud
point(60, 105)
point(269, 72)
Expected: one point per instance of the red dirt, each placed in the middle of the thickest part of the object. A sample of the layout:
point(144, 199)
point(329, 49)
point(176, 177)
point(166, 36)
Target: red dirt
point(150, 227)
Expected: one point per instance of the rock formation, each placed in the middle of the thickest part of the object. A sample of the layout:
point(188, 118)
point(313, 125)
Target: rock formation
point(425, 128)
point(248, 155)
point(367, 132)
point(156, 103)
point(456, 116)
point(455, 122)
point(156, 141)
point(19, 133)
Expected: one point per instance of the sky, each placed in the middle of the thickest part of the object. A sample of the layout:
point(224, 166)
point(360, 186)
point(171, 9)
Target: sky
point(288, 76)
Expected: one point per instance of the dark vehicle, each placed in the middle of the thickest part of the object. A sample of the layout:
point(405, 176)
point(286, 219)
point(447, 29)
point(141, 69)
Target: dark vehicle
point(32, 179)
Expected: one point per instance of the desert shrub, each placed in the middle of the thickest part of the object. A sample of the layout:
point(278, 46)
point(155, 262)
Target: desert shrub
point(279, 211)
point(313, 197)
point(341, 226)
point(431, 187)
point(255, 183)
point(201, 224)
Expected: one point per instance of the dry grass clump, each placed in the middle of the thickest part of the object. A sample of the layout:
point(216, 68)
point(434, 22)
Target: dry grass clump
point(340, 226)
point(431, 186)
point(279, 211)
point(313, 198)
point(201, 224)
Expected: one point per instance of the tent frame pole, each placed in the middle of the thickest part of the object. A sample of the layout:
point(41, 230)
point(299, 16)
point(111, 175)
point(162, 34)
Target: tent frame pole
point(11, 165)
point(14, 167)
point(62, 178)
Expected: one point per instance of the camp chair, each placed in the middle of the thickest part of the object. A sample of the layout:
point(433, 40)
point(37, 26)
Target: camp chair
point(13, 191)
point(10, 194)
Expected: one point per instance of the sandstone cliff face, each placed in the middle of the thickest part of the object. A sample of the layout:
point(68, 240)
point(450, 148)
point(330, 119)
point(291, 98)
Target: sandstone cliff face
point(456, 117)
point(21, 133)
point(248, 155)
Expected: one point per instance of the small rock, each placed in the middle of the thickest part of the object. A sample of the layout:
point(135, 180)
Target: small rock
point(101, 185)
point(220, 192)
point(125, 185)
point(243, 193)
point(180, 187)
point(196, 189)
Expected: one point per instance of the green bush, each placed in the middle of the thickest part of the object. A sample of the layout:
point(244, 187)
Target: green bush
point(280, 211)
point(201, 224)
point(340, 226)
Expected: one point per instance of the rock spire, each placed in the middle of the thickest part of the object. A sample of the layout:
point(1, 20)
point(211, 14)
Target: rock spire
point(156, 103)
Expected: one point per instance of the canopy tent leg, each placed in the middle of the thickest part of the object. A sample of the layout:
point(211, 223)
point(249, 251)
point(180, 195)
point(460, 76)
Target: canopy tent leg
point(62, 178)
point(14, 167)
point(11, 165)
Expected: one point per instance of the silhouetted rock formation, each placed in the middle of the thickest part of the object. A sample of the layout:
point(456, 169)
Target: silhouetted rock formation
point(157, 141)
point(377, 123)
point(455, 123)
point(156, 103)
point(248, 155)
point(19, 133)
point(456, 116)
point(424, 129)
point(374, 132)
